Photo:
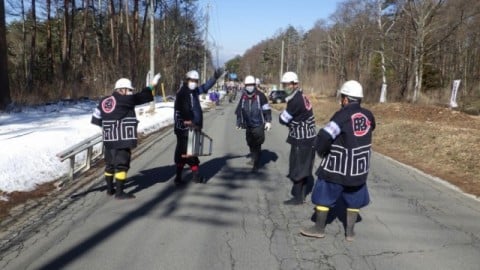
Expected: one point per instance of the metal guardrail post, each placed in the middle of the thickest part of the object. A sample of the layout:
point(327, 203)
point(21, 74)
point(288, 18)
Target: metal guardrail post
point(72, 151)
point(72, 166)
point(88, 161)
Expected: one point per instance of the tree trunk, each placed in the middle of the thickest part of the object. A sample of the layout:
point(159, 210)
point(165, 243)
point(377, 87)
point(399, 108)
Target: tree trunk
point(83, 46)
point(24, 46)
point(65, 40)
point(4, 82)
point(50, 70)
point(32, 62)
point(383, 33)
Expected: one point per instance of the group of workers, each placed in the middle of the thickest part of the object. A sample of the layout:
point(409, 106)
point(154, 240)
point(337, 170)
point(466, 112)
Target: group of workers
point(343, 144)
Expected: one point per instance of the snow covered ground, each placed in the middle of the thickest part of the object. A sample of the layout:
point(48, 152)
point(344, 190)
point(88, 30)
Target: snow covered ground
point(30, 139)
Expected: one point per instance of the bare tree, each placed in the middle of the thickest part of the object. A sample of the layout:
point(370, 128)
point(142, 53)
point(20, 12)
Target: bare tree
point(384, 30)
point(4, 82)
point(66, 40)
point(49, 48)
point(109, 42)
point(422, 15)
point(33, 48)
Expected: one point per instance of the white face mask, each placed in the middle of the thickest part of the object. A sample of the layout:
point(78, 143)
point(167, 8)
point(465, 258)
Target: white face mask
point(192, 85)
point(250, 89)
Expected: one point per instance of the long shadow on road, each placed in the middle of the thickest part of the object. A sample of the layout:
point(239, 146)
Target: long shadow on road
point(147, 178)
point(143, 180)
point(76, 252)
point(212, 167)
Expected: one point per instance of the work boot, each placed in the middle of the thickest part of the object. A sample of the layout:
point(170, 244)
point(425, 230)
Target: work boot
point(119, 194)
point(178, 177)
point(302, 191)
point(255, 161)
point(352, 215)
point(197, 178)
point(178, 180)
point(250, 156)
point(317, 230)
point(298, 193)
point(109, 181)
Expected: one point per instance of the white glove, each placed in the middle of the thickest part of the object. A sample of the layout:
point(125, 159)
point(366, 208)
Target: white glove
point(155, 79)
point(268, 126)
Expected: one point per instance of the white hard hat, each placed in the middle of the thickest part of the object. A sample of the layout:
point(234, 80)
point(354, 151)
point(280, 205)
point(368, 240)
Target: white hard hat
point(249, 80)
point(289, 77)
point(123, 83)
point(352, 88)
point(192, 74)
point(257, 81)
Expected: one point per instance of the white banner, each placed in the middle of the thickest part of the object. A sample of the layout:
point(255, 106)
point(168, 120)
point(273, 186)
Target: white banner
point(383, 93)
point(453, 99)
point(148, 78)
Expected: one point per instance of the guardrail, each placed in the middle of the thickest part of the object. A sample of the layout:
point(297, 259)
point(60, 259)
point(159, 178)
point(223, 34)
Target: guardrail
point(73, 151)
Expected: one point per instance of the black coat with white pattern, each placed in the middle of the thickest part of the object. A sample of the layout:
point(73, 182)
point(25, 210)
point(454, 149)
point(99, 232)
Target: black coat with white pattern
point(299, 118)
point(345, 145)
point(116, 115)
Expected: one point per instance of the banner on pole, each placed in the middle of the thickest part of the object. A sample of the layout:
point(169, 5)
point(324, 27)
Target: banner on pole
point(148, 78)
point(453, 98)
point(383, 93)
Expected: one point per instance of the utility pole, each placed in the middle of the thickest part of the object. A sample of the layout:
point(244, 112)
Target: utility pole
point(204, 77)
point(152, 53)
point(281, 60)
point(152, 40)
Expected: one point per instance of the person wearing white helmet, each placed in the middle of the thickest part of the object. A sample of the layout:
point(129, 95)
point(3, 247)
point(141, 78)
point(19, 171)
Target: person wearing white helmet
point(299, 118)
point(255, 116)
point(344, 145)
point(115, 114)
point(189, 115)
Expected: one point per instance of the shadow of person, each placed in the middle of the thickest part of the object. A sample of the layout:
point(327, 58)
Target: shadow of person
point(147, 178)
point(267, 156)
point(213, 166)
point(102, 188)
point(144, 179)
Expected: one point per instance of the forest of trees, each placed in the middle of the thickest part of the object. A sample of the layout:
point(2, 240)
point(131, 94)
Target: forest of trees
point(79, 48)
point(415, 47)
point(56, 49)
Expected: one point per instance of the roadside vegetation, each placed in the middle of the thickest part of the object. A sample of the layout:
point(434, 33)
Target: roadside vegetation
point(439, 141)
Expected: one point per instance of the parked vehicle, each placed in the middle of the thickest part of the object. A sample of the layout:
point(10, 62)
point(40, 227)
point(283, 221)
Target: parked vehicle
point(277, 96)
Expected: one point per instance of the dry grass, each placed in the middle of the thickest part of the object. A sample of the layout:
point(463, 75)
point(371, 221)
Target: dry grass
point(437, 140)
point(18, 198)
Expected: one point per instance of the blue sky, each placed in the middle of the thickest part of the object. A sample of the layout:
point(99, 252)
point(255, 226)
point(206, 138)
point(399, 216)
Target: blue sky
point(236, 25)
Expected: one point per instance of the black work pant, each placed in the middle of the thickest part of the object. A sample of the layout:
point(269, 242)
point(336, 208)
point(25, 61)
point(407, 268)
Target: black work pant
point(255, 138)
point(117, 160)
point(300, 162)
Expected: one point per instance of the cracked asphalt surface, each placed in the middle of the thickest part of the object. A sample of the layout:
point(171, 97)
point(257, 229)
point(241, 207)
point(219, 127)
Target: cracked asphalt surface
point(237, 220)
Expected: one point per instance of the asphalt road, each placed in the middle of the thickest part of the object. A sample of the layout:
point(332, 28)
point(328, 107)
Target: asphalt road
point(237, 220)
